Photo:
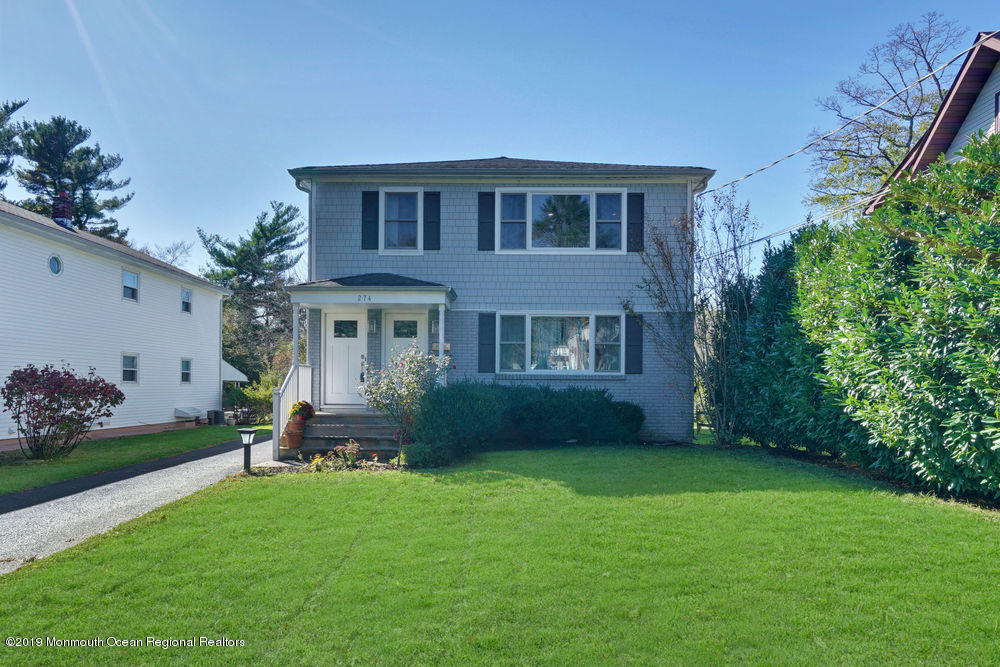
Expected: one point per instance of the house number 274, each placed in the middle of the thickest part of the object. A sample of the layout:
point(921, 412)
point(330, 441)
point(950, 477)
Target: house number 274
point(364, 297)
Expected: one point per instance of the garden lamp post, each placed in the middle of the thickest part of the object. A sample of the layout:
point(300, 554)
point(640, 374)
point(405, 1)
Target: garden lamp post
point(247, 435)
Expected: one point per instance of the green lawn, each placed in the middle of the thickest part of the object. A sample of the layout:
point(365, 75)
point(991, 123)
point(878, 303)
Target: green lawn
point(17, 473)
point(585, 556)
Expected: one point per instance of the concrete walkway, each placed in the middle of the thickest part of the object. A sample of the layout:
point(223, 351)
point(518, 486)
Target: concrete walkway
point(54, 525)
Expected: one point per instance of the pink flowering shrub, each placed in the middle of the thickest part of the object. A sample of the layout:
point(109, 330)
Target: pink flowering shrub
point(55, 409)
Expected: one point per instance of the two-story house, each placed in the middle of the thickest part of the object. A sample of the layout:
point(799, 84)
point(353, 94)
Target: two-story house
point(516, 268)
point(971, 105)
point(76, 298)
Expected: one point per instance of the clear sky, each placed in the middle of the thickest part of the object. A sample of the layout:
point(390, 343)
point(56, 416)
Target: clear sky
point(209, 102)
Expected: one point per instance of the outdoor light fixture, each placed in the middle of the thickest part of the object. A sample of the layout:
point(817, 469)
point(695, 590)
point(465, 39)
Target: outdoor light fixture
point(247, 435)
point(372, 324)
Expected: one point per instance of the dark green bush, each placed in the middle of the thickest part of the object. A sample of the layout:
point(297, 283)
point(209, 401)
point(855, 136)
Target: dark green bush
point(468, 417)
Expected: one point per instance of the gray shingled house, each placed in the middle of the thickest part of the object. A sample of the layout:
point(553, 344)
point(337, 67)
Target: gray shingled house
point(516, 268)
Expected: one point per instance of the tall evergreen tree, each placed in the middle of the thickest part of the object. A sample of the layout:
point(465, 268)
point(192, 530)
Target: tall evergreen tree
point(8, 139)
point(257, 321)
point(58, 161)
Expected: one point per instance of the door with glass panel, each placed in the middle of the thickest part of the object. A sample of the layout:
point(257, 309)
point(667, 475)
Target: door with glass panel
point(403, 330)
point(346, 345)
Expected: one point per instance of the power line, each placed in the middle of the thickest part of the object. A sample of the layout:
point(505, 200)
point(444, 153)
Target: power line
point(853, 120)
point(805, 223)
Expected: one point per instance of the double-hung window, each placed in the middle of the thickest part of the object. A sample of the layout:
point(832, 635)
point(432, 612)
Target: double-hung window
point(130, 285)
point(185, 300)
point(186, 371)
point(559, 343)
point(560, 220)
point(401, 228)
point(130, 368)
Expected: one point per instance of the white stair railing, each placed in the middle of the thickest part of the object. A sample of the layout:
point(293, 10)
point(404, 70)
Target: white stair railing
point(297, 386)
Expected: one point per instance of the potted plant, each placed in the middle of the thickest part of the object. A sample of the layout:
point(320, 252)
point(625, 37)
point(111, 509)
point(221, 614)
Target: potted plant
point(296, 426)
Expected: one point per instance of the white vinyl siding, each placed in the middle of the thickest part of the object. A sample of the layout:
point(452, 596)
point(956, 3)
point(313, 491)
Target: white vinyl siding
point(85, 321)
point(982, 115)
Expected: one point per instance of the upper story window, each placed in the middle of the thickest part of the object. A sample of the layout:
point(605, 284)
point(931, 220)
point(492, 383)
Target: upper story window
point(558, 343)
point(400, 226)
point(55, 265)
point(185, 300)
point(130, 285)
point(560, 220)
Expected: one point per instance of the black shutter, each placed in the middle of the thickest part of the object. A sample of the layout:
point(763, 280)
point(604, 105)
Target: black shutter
point(487, 201)
point(369, 220)
point(636, 215)
point(633, 344)
point(487, 342)
point(432, 221)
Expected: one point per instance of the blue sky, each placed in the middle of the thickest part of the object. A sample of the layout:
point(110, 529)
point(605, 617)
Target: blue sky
point(210, 103)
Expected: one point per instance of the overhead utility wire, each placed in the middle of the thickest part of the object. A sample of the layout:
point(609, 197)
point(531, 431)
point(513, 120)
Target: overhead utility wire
point(853, 120)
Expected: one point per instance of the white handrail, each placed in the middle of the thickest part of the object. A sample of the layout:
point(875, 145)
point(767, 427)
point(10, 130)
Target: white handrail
point(297, 384)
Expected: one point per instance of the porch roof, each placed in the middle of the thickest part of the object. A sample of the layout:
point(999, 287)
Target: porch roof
point(372, 288)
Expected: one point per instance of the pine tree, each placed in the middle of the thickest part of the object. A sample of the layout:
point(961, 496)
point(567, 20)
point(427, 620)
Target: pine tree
point(58, 161)
point(8, 139)
point(256, 268)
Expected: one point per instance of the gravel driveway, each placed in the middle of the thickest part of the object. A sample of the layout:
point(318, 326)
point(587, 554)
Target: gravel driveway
point(55, 525)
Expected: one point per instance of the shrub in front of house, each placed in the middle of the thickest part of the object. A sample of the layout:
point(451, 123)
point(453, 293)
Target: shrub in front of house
point(54, 409)
point(468, 417)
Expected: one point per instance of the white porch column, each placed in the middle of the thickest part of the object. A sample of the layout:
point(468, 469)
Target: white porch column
point(295, 335)
point(441, 335)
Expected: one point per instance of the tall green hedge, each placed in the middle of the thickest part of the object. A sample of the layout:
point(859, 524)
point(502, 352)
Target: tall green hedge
point(780, 400)
point(905, 308)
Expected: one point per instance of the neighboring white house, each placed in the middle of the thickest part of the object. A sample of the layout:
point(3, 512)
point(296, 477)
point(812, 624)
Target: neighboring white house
point(75, 298)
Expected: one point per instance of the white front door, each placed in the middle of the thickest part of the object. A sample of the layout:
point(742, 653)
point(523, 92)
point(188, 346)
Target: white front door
point(346, 345)
point(401, 330)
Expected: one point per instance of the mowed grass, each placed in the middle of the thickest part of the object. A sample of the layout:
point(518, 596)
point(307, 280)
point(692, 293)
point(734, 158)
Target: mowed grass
point(586, 556)
point(17, 472)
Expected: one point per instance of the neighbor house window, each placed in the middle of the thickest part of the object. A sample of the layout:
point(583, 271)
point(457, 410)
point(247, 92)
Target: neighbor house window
point(560, 343)
point(130, 368)
point(401, 218)
point(186, 371)
point(560, 220)
point(55, 265)
point(185, 300)
point(130, 285)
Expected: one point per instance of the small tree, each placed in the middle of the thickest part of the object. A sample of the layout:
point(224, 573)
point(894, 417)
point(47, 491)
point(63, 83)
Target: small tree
point(55, 409)
point(697, 275)
point(396, 390)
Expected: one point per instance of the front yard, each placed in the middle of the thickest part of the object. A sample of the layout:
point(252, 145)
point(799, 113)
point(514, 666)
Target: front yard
point(589, 555)
point(17, 473)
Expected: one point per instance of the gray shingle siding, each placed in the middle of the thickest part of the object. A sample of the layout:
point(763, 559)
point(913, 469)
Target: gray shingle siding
point(488, 282)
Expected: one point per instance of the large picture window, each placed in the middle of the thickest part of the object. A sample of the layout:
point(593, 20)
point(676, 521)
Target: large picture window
point(560, 220)
point(544, 343)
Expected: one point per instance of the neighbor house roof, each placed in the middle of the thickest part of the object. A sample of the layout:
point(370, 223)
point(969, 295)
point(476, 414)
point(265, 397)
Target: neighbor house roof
point(35, 223)
point(976, 69)
point(367, 280)
point(502, 166)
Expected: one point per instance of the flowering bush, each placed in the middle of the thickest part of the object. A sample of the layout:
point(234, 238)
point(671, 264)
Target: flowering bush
point(302, 409)
point(397, 389)
point(54, 409)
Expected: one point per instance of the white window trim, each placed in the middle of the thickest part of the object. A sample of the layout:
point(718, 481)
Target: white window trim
point(138, 285)
point(137, 366)
point(591, 250)
point(190, 301)
point(190, 370)
point(62, 265)
point(382, 250)
point(528, 314)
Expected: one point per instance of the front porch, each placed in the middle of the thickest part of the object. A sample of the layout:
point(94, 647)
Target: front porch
point(353, 321)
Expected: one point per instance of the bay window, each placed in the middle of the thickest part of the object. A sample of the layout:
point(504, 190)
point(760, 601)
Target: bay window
point(556, 220)
point(545, 343)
